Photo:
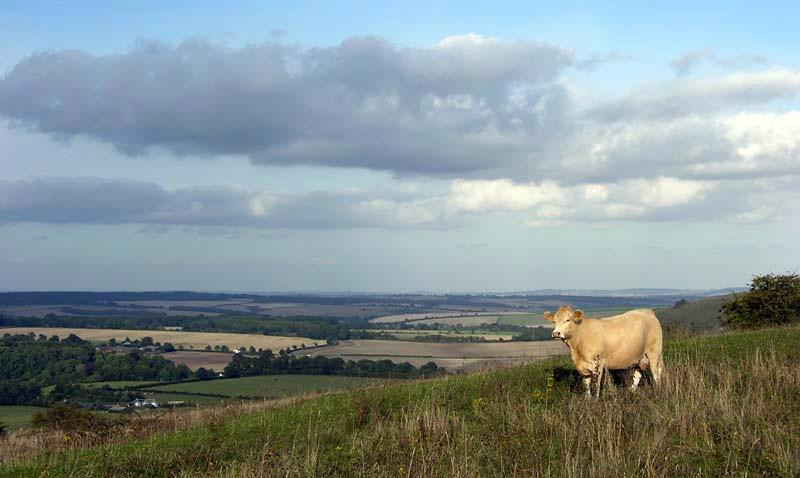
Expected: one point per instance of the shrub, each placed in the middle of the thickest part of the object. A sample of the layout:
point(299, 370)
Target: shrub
point(772, 300)
point(68, 418)
point(3, 429)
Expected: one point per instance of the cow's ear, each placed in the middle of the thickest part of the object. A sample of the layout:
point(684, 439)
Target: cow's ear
point(577, 316)
point(548, 316)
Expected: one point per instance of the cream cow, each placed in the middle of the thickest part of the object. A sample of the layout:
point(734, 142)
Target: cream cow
point(632, 339)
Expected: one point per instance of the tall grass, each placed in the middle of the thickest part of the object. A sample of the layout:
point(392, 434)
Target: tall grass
point(729, 407)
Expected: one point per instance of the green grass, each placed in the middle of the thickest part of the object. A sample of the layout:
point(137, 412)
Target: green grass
point(729, 407)
point(17, 416)
point(522, 319)
point(270, 386)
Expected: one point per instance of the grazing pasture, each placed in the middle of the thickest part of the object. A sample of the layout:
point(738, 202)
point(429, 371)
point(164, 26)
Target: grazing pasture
point(189, 340)
point(17, 416)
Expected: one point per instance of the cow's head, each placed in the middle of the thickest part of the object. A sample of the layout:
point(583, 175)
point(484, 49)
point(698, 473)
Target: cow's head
point(564, 320)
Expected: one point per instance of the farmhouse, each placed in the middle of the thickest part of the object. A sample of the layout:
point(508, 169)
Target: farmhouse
point(144, 403)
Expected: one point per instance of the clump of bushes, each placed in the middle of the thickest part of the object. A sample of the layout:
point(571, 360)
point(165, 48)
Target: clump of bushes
point(772, 300)
point(70, 419)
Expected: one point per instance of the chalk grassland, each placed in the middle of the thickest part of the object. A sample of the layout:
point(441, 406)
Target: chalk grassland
point(195, 340)
point(448, 355)
point(269, 386)
point(17, 416)
point(195, 360)
point(727, 408)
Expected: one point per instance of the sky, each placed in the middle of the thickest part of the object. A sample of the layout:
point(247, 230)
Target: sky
point(397, 146)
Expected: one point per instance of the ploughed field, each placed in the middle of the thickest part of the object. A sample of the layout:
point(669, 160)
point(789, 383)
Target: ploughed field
point(449, 355)
point(195, 360)
point(189, 340)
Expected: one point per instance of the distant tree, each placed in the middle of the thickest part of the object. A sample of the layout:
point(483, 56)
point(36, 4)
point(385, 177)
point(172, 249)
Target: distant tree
point(679, 304)
point(202, 374)
point(224, 348)
point(208, 348)
point(167, 347)
point(772, 300)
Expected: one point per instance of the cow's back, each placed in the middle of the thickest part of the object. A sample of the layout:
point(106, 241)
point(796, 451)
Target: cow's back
point(628, 336)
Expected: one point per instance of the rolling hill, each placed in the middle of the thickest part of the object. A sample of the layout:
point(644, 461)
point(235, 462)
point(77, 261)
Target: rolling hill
point(727, 407)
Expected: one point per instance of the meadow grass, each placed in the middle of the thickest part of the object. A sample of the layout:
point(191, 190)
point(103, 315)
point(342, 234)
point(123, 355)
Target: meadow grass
point(728, 406)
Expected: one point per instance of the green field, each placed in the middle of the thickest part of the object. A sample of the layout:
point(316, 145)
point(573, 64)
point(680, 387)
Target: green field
point(17, 416)
point(165, 397)
point(522, 319)
point(269, 386)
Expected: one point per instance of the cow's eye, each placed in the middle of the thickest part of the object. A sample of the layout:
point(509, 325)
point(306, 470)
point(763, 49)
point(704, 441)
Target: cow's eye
point(566, 320)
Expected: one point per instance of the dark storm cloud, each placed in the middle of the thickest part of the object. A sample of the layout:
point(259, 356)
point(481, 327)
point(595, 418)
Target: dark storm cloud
point(466, 104)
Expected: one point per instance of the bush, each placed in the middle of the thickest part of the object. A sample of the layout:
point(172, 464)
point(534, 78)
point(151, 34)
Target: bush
point(3, 429)
point(772, 300)
point(68, 418)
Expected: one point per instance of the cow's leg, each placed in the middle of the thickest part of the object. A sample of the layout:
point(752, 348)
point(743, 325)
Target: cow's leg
point(637, 376)
point(599, 368)
point(587, 384)
point(656, 366)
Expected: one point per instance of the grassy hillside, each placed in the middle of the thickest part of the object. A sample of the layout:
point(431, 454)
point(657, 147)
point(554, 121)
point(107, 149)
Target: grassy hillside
point(697, 315)
point(268, 386)
point(729, 407)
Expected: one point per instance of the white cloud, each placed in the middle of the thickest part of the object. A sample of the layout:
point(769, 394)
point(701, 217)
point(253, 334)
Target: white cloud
point(499, 194)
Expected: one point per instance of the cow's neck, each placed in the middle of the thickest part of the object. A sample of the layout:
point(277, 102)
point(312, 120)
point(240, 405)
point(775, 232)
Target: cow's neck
point(574, 341)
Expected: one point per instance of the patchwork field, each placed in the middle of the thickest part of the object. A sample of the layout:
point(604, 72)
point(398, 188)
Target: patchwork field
point(189, 340)
point(406, 334)
point(451, 356)
point(270, 386)
point(432, 317)
point(195, 360)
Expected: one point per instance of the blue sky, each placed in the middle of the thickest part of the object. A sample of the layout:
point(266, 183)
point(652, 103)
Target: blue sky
point(380, 146)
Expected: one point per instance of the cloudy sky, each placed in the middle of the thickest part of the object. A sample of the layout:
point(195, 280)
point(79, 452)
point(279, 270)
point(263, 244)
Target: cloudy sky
point(404, 146)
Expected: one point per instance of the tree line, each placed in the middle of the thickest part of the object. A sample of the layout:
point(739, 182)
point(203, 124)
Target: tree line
point(320, 328)
point(268, 363)
point(31, 363)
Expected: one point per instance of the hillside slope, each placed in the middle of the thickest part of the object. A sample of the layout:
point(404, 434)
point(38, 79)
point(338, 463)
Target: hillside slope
point(696, 315)
point(729, 406)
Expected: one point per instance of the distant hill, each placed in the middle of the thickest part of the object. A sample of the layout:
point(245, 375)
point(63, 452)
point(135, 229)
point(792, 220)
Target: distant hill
point(697, 314)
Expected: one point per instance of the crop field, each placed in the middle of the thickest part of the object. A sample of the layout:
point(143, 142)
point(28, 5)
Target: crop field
point(195, 360)
point(17, 416)
point(449, 355)
point(269, 386)
point(406, 334)
point(423, 317)
point(189, 340)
